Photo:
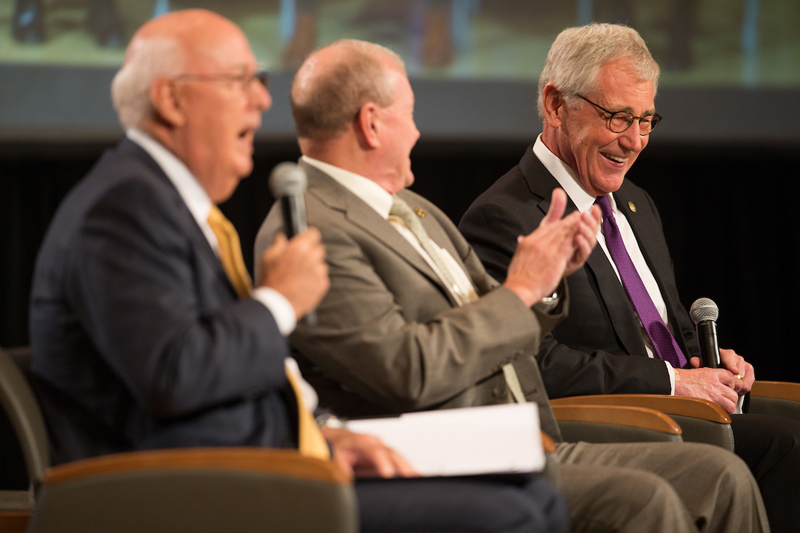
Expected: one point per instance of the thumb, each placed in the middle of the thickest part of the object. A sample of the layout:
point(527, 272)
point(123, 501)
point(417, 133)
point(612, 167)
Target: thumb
point(558, 204)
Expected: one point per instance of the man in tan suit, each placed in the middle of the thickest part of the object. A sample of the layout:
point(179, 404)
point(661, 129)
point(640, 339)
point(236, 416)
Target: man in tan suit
point(412, 321)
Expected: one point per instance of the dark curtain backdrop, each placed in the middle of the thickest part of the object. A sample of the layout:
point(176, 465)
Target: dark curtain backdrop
point(728, 216)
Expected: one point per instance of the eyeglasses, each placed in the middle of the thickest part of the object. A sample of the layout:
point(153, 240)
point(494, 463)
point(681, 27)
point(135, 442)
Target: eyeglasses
point(619, 121)
point(246, 80)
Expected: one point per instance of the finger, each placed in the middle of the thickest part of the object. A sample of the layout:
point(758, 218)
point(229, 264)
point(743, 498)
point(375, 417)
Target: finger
point(597, 214)
point(403, 467)
point(749, 378)
point(695, 362)
point(558, 203)
point(381, 459)
point(277, 248)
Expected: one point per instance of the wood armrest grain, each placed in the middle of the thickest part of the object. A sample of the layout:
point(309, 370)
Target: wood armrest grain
point(620, 415)
point(671, 405)
point(288, 462)
point(783, 390)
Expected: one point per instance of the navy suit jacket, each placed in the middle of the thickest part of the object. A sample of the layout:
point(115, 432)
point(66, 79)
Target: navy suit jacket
point(139, 340)
point(589, 352)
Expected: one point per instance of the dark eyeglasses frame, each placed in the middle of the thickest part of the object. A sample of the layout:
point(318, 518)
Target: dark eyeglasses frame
point(656, 118)
point(245, 79)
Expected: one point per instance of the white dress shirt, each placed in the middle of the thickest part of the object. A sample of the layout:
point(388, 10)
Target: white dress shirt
point(199, 205)
point(583, 201)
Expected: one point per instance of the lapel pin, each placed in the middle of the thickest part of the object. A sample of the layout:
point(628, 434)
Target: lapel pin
point(632, 206)
point(420, 212)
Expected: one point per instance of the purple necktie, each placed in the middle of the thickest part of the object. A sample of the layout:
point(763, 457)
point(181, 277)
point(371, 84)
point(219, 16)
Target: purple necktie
point(663, 341)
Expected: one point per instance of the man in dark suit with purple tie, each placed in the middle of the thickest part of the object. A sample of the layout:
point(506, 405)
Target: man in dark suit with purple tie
point(627, 331)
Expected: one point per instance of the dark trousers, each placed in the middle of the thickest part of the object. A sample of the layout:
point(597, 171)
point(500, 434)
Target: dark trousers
point(771, 448)
point(467, 504)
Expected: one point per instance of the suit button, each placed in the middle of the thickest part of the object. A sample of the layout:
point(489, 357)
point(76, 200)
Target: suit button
point(499, 392)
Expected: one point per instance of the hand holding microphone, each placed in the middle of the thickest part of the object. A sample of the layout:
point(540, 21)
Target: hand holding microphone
point(295, 267)
point(704, 313)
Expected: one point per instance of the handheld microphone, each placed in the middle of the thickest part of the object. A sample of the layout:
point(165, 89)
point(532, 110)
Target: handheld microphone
point(704, 313)
point(288, 185)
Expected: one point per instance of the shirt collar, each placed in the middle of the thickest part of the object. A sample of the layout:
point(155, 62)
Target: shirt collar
point(565, 177)
point(193, 195)
point(370, 192)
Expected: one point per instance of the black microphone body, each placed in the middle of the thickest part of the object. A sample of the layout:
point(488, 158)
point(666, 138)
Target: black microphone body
point(293, 209)
point(709, 348)
point(288, 184)
point(704, 314)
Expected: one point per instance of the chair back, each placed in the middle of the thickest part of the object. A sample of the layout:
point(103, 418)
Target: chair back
point(197, 490)
point(22, 409)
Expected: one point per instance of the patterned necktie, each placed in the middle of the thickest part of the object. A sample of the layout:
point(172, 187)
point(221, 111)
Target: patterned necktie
point(663, 342)
point(311, 443)
point(402, 210)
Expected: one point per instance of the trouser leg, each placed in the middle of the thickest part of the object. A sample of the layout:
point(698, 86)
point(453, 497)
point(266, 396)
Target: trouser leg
point(461, 504)
point(771, 448)
point(716, 487)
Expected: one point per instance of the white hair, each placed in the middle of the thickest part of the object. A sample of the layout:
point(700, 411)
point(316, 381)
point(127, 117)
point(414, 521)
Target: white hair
point(148, 59)
point(578, 53)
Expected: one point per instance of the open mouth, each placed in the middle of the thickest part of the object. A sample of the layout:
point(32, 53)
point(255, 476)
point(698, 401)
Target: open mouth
point(617, 160)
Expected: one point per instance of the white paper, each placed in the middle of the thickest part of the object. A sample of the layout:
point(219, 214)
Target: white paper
point(456, 442)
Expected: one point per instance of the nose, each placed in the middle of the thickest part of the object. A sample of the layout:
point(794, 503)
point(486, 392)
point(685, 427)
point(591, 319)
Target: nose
point(631, 140)
point(260, 97)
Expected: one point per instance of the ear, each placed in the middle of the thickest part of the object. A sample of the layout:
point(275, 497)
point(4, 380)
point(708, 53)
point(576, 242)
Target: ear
point(553, 104)
point(368, 125)
point(168, 100)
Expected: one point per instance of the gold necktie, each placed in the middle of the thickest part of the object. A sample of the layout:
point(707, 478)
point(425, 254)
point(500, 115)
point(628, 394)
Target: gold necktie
point(230, 252)
point(310, 440)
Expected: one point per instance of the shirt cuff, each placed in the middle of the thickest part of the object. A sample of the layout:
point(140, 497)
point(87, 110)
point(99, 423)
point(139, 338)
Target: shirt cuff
point(671, 372)
point(282, 311)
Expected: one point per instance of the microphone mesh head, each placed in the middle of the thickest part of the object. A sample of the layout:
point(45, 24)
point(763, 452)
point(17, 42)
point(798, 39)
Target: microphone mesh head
point(287, 179)
point(703, 309)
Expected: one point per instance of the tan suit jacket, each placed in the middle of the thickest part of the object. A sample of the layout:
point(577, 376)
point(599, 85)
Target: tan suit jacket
point(390, 338)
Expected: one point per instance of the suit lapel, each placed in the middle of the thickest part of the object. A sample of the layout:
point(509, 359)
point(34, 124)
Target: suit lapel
point(193, 231)
point(337, 197)
point(612, 292)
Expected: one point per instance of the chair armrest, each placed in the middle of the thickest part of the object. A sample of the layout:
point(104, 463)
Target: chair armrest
point(701, 420)
point(783, 390)
point(775, 398)
point(602, 424)
point(671, 405)
point(287, 462)
point(618, 415)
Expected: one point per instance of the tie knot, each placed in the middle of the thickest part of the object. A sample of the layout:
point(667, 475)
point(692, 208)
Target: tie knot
point(605, 206)
point(216, 218)
point(400, 208)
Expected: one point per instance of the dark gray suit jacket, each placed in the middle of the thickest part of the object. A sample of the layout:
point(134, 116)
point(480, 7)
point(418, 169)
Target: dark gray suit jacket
point(389, 337)
point(588, 353)
point(139, 340)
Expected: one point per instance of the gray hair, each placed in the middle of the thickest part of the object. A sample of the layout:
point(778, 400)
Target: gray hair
point(578, 53)
point(331, 97)
point(148, 59)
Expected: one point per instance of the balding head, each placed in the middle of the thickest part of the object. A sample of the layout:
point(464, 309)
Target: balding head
point(165, 46)
point(188, 82)
point(335, 82)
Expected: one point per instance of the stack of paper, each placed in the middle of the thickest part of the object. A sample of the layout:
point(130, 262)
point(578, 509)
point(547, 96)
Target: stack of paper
point(457, 442)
